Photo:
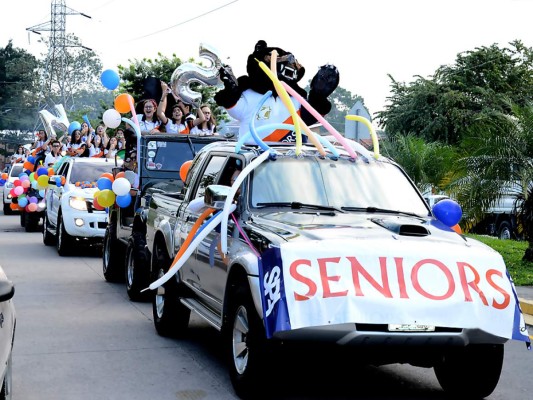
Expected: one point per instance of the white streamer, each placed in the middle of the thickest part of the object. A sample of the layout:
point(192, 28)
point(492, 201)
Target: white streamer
point(229, 200)
point(192, 246)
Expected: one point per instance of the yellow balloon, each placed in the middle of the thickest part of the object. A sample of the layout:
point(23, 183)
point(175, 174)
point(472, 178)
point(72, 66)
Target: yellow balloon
point(106, 198)
point(42, 181)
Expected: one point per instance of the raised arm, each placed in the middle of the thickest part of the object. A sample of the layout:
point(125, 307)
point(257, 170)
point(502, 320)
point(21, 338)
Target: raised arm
point(199, 119)
point(162, 106)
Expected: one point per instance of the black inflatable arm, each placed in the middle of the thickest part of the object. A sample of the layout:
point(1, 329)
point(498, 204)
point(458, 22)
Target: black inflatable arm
point(232, 91)
point(323, 84)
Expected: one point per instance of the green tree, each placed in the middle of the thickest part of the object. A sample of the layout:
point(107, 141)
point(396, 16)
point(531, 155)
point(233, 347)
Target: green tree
point(133, 77)
point(497, 161)
point(427, 164)
point(18, 86)
point(443, 106)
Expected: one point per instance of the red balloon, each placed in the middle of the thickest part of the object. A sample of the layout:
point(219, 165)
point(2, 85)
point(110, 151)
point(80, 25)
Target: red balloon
point(96, 205)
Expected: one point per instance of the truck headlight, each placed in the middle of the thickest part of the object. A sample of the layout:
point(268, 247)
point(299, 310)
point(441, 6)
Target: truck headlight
point(9, 185)
point(78, 203)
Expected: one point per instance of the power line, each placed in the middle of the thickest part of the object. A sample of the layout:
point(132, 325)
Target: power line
point(183, 22)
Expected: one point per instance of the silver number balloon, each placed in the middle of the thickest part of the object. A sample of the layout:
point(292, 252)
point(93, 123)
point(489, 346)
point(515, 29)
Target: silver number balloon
point(188, 73)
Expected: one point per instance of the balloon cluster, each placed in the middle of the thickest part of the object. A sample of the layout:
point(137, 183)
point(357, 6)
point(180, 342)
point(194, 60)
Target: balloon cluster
point(3, 179)
point(113, 190)
point(123, 102)
point(28, 191)
point(85, 185)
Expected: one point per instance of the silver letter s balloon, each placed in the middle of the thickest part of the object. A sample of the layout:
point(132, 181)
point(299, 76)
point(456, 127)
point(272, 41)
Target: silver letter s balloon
point(188, 73)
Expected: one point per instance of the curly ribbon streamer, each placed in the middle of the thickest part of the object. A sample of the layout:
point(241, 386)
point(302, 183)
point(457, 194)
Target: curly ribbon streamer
point(212, 224)
point(288, 103)
point(229, 200)
point(370, 128)
point(320, 119)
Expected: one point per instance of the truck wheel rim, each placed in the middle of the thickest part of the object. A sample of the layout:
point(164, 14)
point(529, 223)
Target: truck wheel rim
point(240, 333)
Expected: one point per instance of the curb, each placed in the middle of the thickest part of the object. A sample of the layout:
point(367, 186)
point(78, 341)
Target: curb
point(527, 310)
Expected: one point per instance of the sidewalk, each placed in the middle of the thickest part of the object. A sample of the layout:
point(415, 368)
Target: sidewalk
point(525, 296)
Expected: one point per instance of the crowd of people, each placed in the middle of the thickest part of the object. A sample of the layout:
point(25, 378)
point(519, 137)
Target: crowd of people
point(89, 142)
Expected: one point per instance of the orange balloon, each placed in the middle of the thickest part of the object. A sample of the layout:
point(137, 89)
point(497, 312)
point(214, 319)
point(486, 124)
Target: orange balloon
point(28, 165)
point(184, 169)
point(122, 103)
point(50, 171)
point(108, 175)
point(121, 174)
point(4, 176)
point(14, 206)
point(457, 229)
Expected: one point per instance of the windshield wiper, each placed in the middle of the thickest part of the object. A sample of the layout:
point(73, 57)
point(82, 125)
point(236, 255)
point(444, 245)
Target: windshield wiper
point(380, 210)
point(296, 205)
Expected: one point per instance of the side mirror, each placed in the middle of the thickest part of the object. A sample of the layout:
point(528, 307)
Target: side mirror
point(7, 290)
point(215, 196)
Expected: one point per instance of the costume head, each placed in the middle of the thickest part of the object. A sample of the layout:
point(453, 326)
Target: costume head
point(288, 68)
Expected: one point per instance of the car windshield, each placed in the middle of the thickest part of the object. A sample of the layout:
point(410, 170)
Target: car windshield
point(16, 170)
point(350, 186)
point(82, 172)
point(167, 156)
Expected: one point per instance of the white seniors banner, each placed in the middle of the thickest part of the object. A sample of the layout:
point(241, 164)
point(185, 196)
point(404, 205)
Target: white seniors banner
point(355, 281)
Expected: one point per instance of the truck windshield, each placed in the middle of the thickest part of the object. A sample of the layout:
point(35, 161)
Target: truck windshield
point(167, 156)
point(340, 184)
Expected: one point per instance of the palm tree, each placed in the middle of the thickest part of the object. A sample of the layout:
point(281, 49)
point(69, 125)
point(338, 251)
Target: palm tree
point(427, 164)
point(497, 161)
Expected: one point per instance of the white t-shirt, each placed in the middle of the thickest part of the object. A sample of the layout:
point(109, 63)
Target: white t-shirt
point(202, 131)
point(273, 111)
point(147, 126)
point(51, 159)
point(171, 127)
point(96, 152)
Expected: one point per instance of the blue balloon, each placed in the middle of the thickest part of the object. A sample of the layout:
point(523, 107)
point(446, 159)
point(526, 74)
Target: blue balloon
point(23, 202)
point(123, 201)
point(104, 183)
point(110, 79)
point(42, 171)
point(31, 159)
point(58, 181)
point(73, 126)
point(447, 211)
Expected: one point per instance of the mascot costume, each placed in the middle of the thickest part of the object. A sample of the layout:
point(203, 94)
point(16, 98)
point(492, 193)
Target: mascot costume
point(241, 97)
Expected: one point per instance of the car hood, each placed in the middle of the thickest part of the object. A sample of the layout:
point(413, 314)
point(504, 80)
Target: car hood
point(299, 226)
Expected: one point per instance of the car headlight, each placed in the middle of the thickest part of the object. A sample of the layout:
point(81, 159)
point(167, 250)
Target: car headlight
point(78, 203)
point(9, 185)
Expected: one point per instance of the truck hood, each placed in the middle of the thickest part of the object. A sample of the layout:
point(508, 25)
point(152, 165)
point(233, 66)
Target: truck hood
point(87, 193)
point(298, 226)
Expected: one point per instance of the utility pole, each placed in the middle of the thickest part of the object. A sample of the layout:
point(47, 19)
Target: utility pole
point(55, 63)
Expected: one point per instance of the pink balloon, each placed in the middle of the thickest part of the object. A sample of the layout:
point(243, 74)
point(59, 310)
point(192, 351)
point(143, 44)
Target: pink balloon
point(26, 183)
point(18, 190)
point(32, 207)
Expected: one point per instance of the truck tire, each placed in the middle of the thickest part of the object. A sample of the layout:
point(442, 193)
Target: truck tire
point(48, 238)
point(454, 371)
point(245, 344)
point(23, 218)
point(137, 268)
point(7, 209)
point(64, 240)
point(504, 231)
point(31, 222)
point(171, 317)
point(112, 263)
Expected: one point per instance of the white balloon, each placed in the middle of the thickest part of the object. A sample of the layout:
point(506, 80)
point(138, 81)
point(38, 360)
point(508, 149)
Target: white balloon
point(111, 118)
point(121, 186)
point(130, 176)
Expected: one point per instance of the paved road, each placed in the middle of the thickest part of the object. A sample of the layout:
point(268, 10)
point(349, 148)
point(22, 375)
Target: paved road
point(80, 338)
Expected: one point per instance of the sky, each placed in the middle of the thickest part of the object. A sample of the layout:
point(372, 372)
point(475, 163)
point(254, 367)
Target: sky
point(366, 40)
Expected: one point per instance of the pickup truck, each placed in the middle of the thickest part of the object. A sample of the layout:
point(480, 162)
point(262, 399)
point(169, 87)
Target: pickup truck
point(125, 256)
point(326, 249)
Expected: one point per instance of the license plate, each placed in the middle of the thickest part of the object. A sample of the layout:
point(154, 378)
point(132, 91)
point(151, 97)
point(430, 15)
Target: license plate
point(411, 328)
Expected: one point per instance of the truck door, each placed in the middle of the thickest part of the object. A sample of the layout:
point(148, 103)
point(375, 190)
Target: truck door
point(192, 271)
